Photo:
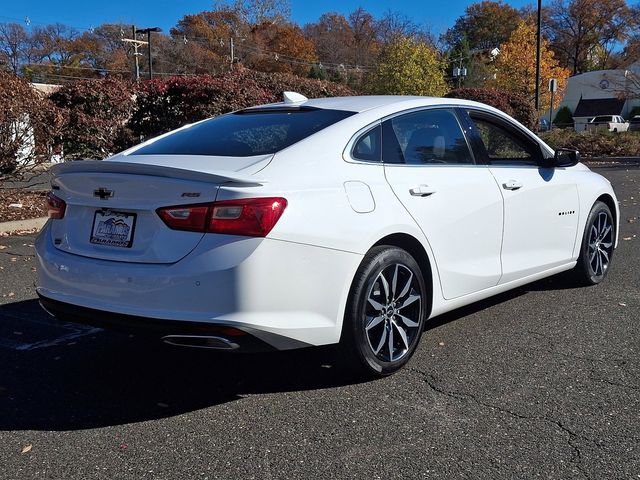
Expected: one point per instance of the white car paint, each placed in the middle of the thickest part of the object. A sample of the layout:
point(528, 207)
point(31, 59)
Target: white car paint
point(291, 288)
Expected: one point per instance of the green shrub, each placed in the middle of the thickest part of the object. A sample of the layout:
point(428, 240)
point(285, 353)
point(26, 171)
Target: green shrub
point(595, 144)
point(563, 118)
point(512, 104)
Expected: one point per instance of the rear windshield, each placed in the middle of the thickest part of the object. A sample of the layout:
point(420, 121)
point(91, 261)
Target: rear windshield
point(246, 133)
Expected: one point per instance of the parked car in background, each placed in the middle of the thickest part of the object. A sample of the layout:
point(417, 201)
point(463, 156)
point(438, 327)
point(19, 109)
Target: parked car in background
point(611, 123)
point(634, 124)
point(347, 221)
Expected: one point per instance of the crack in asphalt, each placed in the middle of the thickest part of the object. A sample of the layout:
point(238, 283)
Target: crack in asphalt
point(18, 254)
point(576, 458)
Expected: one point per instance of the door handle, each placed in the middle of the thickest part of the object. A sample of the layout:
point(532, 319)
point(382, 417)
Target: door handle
point(421, 191)
point(512, 185)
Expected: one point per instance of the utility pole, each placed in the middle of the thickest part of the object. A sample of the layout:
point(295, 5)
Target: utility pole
point(538, 42)
point(136, 43)
point(148, 32)
point(135, 52)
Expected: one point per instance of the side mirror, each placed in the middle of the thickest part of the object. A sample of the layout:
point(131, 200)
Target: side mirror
point(566, 157)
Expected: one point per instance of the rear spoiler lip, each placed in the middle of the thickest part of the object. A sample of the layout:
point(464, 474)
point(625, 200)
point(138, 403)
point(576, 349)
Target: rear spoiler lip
point(131, 168)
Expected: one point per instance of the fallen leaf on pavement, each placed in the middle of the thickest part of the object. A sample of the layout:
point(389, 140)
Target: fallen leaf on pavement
point(26, 448)
point(3, 247)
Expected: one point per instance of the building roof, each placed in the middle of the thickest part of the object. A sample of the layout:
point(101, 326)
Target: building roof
point(599, 106)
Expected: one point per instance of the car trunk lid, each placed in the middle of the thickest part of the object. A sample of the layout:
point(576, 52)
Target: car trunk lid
point(111, 206)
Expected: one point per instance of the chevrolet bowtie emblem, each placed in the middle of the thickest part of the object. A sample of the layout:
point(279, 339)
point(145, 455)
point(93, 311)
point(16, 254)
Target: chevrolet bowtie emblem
point(103, 193)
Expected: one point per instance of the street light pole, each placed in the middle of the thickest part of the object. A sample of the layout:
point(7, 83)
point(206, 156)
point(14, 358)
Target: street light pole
point(148, 32)
point(538, 42)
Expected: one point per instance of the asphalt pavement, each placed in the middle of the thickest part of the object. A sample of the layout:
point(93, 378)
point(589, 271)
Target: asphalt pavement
point(541, 382)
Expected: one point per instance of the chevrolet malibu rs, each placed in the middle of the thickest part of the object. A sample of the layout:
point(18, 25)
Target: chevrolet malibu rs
point(348, 221)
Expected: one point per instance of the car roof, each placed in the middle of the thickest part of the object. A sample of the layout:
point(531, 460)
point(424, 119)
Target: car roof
point(363, 103)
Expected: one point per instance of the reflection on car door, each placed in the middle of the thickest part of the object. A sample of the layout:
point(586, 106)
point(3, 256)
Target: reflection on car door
point(456, 203)
point(540, 203)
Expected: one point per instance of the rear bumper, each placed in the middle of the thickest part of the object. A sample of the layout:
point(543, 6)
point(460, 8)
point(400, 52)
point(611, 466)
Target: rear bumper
point(156, 328)
point(285, 294)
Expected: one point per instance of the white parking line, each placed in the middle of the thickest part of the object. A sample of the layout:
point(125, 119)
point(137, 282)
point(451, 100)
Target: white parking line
point(57, 340)
point(63, 332)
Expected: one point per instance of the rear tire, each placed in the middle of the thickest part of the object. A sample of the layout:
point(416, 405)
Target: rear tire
point(596, 249)
point(385, 313)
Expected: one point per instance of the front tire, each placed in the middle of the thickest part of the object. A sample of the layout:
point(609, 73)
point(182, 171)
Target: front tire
point(596, 249)
point(385, 313)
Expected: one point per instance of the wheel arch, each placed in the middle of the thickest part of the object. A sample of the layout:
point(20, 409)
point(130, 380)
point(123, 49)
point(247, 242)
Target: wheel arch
point(610, 202)
point(413, 246)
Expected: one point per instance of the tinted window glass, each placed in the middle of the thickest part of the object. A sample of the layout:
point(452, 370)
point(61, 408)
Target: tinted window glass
point(425, 138)
point(246, 133)
point(504, 146)
point(367, 147)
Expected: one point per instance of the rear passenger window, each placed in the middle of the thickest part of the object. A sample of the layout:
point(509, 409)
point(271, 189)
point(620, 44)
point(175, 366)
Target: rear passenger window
point(367, 147)
point(427, 137)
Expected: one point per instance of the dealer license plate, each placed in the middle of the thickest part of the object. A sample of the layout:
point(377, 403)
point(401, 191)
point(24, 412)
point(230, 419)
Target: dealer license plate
point(114, 229)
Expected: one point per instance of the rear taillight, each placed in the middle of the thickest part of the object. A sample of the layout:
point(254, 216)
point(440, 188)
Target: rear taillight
point(187, 217)
point(56, 206)
point(253, 217)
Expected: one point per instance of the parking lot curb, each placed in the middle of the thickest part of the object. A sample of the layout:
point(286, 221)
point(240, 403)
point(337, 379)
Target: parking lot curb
point(29, 224)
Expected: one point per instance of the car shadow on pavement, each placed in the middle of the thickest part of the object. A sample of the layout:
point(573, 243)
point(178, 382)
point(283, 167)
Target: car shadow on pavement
point(101, 378)
point(107, 378)
point(560, 281)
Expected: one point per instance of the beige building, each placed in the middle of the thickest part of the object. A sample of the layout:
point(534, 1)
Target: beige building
point(602, 92)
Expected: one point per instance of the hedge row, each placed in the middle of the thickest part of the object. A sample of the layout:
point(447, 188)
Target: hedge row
point(28, 125)
point(595, 144)
point(106, 116)
point(96, 118)
point(165, 104)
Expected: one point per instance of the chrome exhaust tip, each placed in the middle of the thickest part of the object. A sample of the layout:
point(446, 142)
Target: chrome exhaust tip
point(200, 341)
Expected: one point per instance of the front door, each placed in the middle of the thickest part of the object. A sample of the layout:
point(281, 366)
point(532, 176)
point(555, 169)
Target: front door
point(541, 206)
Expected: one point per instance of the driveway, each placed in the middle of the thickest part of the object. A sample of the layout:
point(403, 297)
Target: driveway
point(540, 382)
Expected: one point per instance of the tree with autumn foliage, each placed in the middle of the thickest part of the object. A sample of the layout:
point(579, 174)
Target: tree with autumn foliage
point(408, 67)
point(278, 48)
point(585, 33)
point(516, 67)
point(484, 25)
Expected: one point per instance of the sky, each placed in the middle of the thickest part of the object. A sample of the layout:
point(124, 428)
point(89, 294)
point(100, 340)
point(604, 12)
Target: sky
point(84, 14)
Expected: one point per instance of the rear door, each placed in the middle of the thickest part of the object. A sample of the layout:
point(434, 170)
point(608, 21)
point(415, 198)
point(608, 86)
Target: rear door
point(456, 202)
point(541, 205)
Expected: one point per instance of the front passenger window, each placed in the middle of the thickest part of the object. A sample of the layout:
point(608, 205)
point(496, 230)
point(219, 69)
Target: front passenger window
point(504, 147)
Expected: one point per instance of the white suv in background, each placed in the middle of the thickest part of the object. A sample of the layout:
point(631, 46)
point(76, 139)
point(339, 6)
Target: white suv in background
point(612, 123)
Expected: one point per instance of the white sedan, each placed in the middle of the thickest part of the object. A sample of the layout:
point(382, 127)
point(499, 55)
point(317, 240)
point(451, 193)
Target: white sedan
point(315, 222)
